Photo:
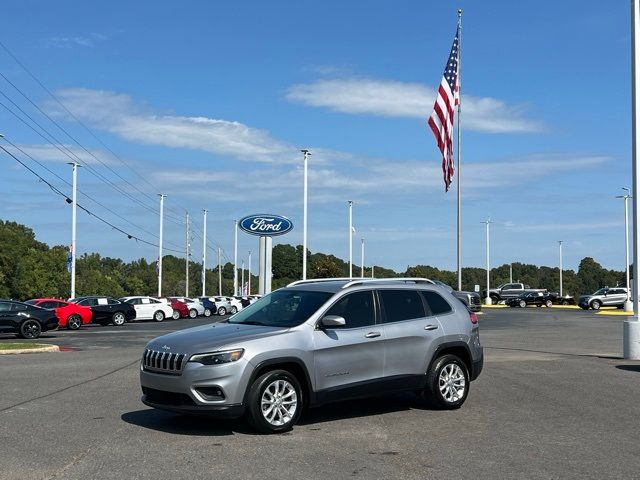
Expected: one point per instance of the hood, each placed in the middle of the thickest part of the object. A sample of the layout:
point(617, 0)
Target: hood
point(210, 337)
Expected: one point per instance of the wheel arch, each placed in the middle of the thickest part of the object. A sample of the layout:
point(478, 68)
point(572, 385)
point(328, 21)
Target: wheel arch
point(293, 365)
point(459, 349)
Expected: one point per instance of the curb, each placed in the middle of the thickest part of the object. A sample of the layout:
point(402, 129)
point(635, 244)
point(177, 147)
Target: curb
point(43, 349)
point(614, 313)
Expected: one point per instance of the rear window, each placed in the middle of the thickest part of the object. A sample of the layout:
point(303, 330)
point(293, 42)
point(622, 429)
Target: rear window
point(437, 304)
point(401, 305)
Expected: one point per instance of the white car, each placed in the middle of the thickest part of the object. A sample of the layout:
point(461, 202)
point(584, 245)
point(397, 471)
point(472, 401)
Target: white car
point(149, 308)
point(195, 307)
point(223, 305)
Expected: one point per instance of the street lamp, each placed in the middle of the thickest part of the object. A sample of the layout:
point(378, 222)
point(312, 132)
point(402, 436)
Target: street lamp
point(304, 214)
point(487, 299)
point(350, 238)
point(560, 247)
point(628, 306)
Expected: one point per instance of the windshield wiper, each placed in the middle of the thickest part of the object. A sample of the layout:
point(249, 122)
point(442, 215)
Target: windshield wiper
point(249, 322)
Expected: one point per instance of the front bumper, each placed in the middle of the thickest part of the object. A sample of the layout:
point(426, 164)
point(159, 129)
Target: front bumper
point(181, 403)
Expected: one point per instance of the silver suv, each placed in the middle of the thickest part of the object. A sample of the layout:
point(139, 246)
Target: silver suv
point(314, 342)
point(605, 297)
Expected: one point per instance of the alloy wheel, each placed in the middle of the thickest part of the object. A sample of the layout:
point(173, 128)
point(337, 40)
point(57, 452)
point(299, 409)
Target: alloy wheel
point(452, 383)
point(279, 403)
point(74, 322)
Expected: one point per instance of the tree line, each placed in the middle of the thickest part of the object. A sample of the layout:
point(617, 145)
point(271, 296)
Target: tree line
point(30, 269)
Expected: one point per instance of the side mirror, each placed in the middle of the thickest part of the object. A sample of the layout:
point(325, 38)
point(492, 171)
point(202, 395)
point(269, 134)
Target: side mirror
point(333, 321)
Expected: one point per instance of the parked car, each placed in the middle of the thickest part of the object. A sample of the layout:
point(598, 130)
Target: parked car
point(254, 298)
point(244, 301)
point(209, 306)
point(605, 297)
point(531, 298)
point(195, 307)
point(69, 315)
point(107, 310)
point(223, 305)
point(25, 320)
point(150, 308)
point(509, 290)
point(470, 299)
point(314, 342)
point(562, 300)
point(180, 309)
point(236, 305)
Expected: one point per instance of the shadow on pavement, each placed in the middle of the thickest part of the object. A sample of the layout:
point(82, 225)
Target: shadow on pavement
point(184, 424)
point(629, 368)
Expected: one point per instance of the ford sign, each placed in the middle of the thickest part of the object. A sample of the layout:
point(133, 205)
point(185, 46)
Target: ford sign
point(266, 225)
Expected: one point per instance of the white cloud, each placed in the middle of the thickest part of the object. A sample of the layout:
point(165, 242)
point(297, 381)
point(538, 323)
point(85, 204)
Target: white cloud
point(74, 41)
point(563, 226)
point(412, 100)
point(63, 154)
point(119, 114)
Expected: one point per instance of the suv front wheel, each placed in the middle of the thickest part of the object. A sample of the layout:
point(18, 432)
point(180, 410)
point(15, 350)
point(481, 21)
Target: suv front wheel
point(274, 403)
point(447, 383)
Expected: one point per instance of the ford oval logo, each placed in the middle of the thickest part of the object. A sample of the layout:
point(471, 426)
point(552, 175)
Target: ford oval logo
point(265, 225)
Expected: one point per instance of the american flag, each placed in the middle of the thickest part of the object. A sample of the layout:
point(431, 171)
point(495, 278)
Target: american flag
point(441, 120)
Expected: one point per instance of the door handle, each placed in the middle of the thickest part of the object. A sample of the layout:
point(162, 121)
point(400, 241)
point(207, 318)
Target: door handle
point(372, 335)
point(431, 327)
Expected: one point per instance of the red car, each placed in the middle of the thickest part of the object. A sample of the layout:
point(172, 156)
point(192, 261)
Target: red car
point(180, 309)
point(69, 315)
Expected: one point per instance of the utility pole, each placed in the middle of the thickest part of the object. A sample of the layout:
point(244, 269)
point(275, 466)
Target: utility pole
point(219, 274)
point(362, 258)
point(560, 246)
point(628, 306)
point(249, 283)
point(242, 279)
point(511, 273)
point(372, 268)
point(304, 215)
point(160, 245)
point(235, 260)
point(487, 299)
point(74, 203)
point(204, 253)
point(350, 239)
point(186, 284)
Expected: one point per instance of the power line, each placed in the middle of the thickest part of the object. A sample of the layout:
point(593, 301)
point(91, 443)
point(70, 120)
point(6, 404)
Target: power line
point(86, 210)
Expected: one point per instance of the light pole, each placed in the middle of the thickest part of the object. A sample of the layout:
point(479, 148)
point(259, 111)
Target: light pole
point(186, 278)
point(350, 239)
point(204, 252)
point(235, 259)
point(487, 299)
point(242, 278)
point(249, 272)
point(160, 245)
point(362, 258)
point(74, 203)
point(560, 247)
point(304, 215)
point(511, 273)
point(628, 306)
point(219, 274)
point(631, 326)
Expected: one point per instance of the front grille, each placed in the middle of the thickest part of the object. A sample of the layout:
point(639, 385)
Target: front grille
point(163, 362)
point(167, 398)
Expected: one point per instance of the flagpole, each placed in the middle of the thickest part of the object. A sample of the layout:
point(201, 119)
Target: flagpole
point(459, 150)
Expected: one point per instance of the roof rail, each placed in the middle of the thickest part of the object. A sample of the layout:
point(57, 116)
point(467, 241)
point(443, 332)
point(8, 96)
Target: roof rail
point(361, 281)
point(319, 280)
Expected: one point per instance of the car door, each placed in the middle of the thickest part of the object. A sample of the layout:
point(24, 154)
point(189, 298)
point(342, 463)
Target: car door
point(616, 296)
point(351, 355)
point(409, 330)
point(144, 309)
point(97, 313)
point(7, 320)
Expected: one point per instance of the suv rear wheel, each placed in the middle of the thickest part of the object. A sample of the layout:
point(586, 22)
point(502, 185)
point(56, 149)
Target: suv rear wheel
point(274, 403)
point(447, 383)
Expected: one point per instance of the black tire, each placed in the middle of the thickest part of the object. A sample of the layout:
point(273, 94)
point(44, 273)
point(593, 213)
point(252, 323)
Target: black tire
point(494, 300)
point(159, 316)
point(564, 302)
point(522, 304)
point(193, 313)
point(74, 321)
point(118, 319)
point(596, 304)
point(441, 367)
point(222, 311)
point(584, 308)
point(548, 303)
point(539, 305)
point(254, 413)
point(207, 312)
point(30, 329)
point(176, 315)
point(233, 310)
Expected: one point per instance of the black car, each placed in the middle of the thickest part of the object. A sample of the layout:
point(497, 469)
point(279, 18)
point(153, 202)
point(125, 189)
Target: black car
point(26, 321)
point(209, 307)
point(531, 298)
point(107, 310)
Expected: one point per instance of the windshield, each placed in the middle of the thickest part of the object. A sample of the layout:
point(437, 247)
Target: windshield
point(602, 291)
point(282, 308)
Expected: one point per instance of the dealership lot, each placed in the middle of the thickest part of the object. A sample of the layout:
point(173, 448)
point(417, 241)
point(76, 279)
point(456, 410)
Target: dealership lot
point(555, 401)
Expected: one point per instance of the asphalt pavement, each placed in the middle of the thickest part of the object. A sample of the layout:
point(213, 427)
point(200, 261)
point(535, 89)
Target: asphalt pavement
point(555, 400)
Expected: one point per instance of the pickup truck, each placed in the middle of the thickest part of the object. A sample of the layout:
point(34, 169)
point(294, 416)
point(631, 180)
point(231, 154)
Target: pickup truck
point(510, 290)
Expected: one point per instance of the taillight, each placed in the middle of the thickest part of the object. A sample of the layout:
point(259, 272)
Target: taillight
point(473, 317)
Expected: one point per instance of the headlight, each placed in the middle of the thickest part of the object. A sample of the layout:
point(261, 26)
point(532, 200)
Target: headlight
point(218, 358)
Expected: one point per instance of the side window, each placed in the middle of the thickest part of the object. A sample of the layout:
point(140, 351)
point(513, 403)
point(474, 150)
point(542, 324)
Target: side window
point(437, 304)
point(401, 305)
point(109, 301)
point(5, 306)
point(18, 307)
point(357, 309)
point(144, 301)
point(87, 302)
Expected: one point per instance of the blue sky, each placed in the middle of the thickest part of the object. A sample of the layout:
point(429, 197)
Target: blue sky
point(210, 102)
